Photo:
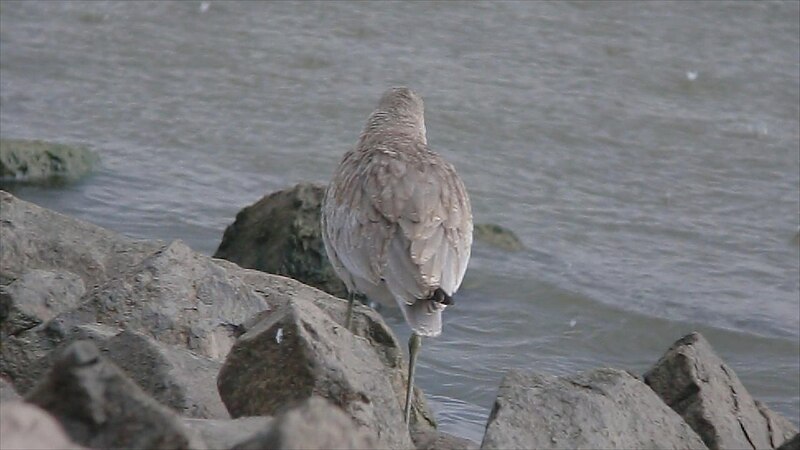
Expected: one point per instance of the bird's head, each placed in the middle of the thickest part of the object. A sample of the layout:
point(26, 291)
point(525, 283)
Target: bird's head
point(399, 109)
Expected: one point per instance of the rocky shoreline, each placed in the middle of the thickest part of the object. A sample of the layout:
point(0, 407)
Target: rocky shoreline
point(109, 342)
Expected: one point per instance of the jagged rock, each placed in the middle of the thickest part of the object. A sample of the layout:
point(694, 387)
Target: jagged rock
point(791, 444)
point(178, 297)
point(604, 408)
point(36, 297)
point(706, 392)
point(438, 440)
point(299, 351)
point(7, 391)
point(37, 238)
point(498, 236)
point(173, 375)
point(100, 407)
point(367, 324)
point(171, 293)
point(39, 161)
point(26, 356)
point(226, 433)
point(281, 234)
point(24, 426)
point(313, 424)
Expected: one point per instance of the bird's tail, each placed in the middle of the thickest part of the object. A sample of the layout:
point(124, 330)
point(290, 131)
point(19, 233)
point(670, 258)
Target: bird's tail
point(425, 317)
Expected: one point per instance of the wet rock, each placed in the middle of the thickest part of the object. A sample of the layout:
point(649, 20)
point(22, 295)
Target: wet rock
point(706, 392)
point(100, 407)
point(37, 238)
point(281, 234)
point(37, 296)
point(226, 433)
point(604, 408)
point(791, 444)
point(40, 161)
point(498, 236)
point(7, 391)
point(299, 351)
point(24, 426)
point(438, 440)
point(313, 424)
point(176, 296)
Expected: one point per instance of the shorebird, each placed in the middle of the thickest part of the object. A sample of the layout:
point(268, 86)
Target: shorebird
point(397, 221)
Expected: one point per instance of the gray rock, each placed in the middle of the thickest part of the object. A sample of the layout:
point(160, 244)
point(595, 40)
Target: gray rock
point(313, 424)
point(367, 324)
point(498, 236)
point(27, 356)
point(791, 444)
point(178, 297)
point(438, 440)
point(37, 238)
point(604, 408)
point(36, 297)
point(299, 351)
point(168, 292)
point(24, 426)
point(39, 161)
point(7, 391)
point(226, 433)
point(100, 407)
point(281, 234)
point(173, 375)
point(699, 386)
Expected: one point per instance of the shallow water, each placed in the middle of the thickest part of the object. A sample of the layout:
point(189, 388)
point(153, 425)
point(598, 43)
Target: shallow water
point(646, 154)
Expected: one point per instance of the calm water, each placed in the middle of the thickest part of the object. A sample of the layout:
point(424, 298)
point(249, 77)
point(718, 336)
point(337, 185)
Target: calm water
point(647, 154)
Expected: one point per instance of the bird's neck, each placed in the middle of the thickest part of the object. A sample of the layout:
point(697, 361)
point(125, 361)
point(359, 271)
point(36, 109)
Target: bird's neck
point(383, 127)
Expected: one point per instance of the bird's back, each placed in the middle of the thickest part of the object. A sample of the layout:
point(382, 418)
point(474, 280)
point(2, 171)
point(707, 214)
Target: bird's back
point(397, 222)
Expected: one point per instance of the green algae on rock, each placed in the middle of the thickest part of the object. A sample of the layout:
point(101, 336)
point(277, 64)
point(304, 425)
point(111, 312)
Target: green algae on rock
point(498, 236)
point(35, 161)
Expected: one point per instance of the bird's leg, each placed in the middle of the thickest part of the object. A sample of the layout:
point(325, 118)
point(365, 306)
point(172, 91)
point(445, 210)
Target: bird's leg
point(414, 343)
point(348, 321)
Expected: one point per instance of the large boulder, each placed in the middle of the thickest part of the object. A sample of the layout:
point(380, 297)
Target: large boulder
point(40, 161)
point(299, 351)
point(37, 238)
point(314, 424)
point(706, 392)
point(367, 324)
point(37, 296)
point(24, 426)
point(604, 408)
point(173, 375)
point(176, 296)
point(25, 357)
point(281, 234)
point(58, 273)
point(100, 407)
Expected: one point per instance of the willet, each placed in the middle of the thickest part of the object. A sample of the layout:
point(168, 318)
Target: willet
point(397, 221)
